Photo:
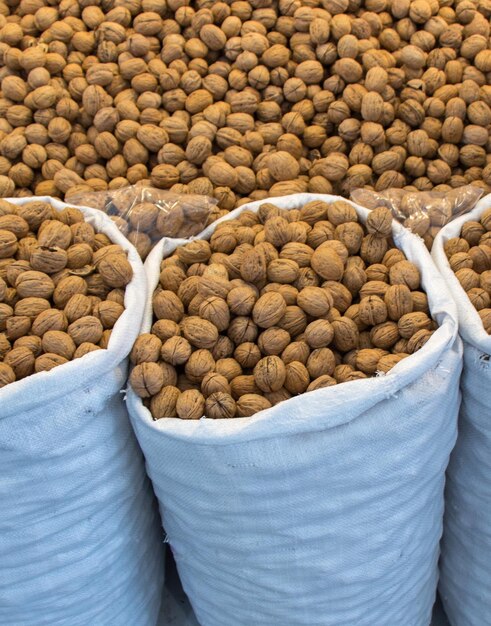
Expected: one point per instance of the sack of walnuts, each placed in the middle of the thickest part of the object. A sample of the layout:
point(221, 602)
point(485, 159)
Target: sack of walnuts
point(423, 212)
point(295, 485)
point(145, 214)
point(462, 252)
point(79, 533)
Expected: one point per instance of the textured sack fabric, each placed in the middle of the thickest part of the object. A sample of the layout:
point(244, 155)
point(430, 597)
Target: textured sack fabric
point(325, 510)
point(465, 570)
point(80, 539)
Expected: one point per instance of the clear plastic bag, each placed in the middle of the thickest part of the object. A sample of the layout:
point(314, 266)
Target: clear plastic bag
point(146, 214)
point(423, 212)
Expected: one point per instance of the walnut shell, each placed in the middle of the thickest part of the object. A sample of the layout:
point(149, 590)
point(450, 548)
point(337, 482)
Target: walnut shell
point(319, 334)
point(163, 404)
point(198, 365)
point(200, 333)
point(297, 378)
point(251, 403)
point(270, 374)
point(190, 405)
point(322, 381)
point(147, 379)
point(315, 301)
point(321, 361)
point(268, 310)
point(248, 354)
point(213, 382)
point(146, 349)
point(7, 374)
point(220, 405)
point(176, 350)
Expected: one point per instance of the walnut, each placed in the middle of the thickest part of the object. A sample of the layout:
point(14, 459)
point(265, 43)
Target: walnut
point(485, 315)
point(147, 379)
point(48, 361)
point(321, 361)
point(58, 342)
point(241, 300)
point(345, 334)
point(213, 382)
point(248, 354)
point(68, 287)
point(215, 310)
point(398, 301)
point(164, 329)
point(297, 377)
point(220, 405)
point(251, 403)
point(35, 284)
point(270, 374)
point(379, 222)
point(53, 233)
point(409, 323)
point(479, 298)
point(17, 326)
point(418, 340)
point(322, 381)
point(388, 361)
point(49, 319)
point(373, 310)
point(7, 374)
point(469, 279)
point(190, 405)
point(319, 334)
point(85, 348)
point(108, 312)
point(199, 364)
point(315, 301)
point(268, 310)
point(283, 271)
point(48, 259)
point(200, 333)
point(273, 341)
point(367, 359)
point(384, 335)
point(176, 350)
point(167, 305)
point(405, 273)
point(163, 404)
point(115, 270)
point(87, 328)
point(373, 249)
point(327, 263)
point(213, 286)
point(198, 251)
point(21, 360)
point(146, 349)
point(223, 348)
point(243, 384)
point(296, 351)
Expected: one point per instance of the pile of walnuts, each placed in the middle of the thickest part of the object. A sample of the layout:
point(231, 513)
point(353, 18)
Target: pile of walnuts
point(470, 258)
point(61, 288)
point(275, 304)
point(244, 99)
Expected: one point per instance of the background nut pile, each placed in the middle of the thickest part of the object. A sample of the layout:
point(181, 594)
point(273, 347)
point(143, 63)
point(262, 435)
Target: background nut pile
point(470, 258)
point(244, 99)
point(275, 304)
point(61, 288)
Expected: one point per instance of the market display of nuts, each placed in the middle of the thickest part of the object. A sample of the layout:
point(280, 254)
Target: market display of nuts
point(469, 257)
point(50, 311)
point(227, 341)
point(244, 100)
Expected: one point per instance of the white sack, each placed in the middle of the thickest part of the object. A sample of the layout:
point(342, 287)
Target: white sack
point(465, 584)
point(325, 510)
point(79, 535)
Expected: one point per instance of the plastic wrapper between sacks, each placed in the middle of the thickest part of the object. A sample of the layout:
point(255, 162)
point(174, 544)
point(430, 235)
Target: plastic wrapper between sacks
point(422, 212)
point(146, 215)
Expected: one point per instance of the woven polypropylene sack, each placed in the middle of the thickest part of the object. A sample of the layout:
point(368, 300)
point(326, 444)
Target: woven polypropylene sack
point(465, 584)
point(325, 510)
point(80, 539)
